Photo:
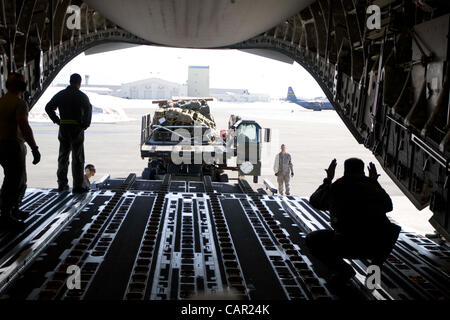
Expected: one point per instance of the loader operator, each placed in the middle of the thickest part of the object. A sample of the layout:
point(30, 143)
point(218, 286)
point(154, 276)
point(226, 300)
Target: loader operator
point(75, 112)
point(361, 229)
point(89, 172)
point(283, 170)
point(14, 131)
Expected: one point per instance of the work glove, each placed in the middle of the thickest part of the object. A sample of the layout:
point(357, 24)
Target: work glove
point(36, 155)
point(373, 174)
point(331, 170)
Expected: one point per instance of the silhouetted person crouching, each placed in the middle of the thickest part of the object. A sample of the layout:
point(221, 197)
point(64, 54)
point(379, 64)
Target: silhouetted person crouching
point(361, 229)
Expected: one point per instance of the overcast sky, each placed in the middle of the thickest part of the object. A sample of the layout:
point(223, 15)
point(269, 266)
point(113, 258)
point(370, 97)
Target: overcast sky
point(228, 69)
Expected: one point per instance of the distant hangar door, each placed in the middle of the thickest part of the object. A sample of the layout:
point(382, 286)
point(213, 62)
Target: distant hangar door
point(148, 94)
point(133, 93)
point(161, 93)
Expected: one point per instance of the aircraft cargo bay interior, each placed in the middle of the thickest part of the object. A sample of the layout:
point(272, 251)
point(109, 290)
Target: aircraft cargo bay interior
point(215, 200)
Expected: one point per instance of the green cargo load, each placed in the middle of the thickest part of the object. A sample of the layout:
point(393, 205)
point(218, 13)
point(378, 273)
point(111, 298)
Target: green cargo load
point(190, 113)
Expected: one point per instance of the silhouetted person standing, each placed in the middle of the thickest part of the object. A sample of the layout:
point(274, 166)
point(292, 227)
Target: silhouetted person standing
point(14, 132)
point(283, 170)
point(358, 207)
point(75, 112)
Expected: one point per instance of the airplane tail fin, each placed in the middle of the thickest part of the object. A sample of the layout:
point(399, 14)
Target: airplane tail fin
point(291, 95)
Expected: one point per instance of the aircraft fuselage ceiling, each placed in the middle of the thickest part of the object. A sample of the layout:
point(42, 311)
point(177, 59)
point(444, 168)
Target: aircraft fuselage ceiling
point(382, 64)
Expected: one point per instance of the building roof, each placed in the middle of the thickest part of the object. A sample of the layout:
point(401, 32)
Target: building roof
point(111, 87)
point(224, 91)
point(157, 80)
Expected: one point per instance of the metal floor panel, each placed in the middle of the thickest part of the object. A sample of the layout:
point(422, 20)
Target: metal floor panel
point(20, 249)
point(137, 240)
point(416, 269)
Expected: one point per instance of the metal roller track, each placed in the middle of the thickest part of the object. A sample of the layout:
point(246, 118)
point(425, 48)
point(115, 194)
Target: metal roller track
point(292, 267)
point(139, 240)
point(49, 214)
point(141, 274)
point(231, 272)
point(54, 287)
point(407, 274)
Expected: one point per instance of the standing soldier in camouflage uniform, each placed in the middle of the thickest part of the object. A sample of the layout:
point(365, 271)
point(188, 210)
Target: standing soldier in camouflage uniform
point(283, 170)
point(75, 113)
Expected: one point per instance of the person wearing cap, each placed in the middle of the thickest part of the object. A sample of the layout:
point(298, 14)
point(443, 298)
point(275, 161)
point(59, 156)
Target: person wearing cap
point(15, 130)
point(75, 113)
point(360, 228)
point(89, 172)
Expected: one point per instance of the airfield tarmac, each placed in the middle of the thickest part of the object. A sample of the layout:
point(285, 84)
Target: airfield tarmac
point(312, 138)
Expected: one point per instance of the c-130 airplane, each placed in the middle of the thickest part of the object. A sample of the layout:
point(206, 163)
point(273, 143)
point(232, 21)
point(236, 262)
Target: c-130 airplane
point(316, 104)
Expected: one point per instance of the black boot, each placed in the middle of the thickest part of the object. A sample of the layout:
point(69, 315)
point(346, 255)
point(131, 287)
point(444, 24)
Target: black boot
point(341, 277)
point(19, 215)
point(8, 222)
point(63, 188)
point(79, 190)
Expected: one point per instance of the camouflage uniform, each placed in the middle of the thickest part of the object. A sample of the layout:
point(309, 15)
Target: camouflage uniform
point(283, 169)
